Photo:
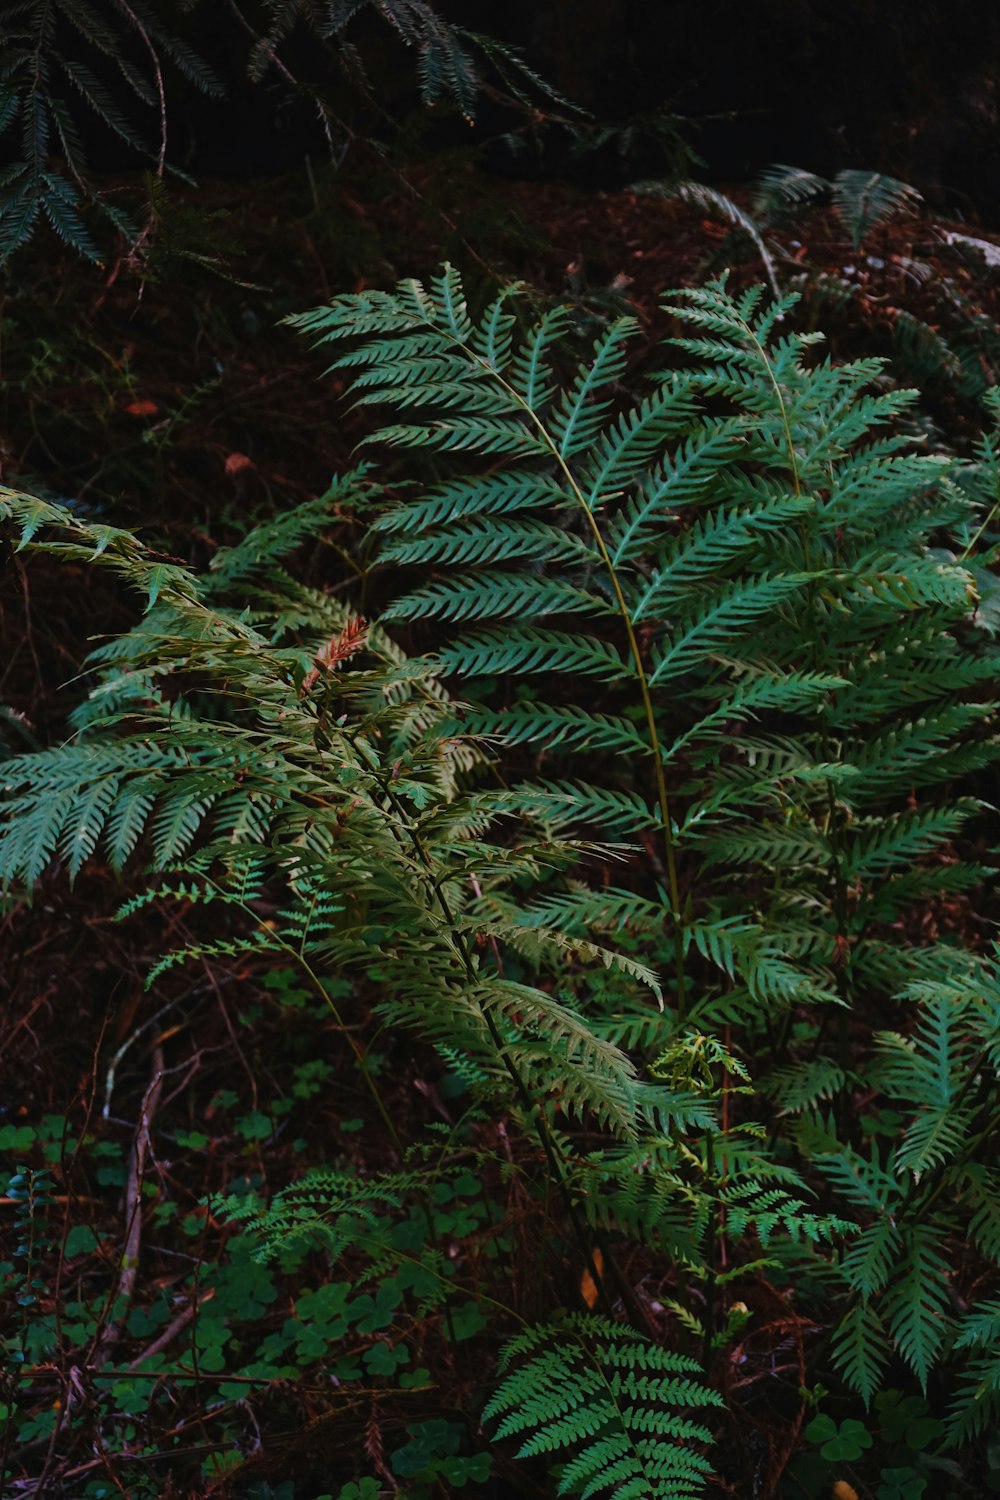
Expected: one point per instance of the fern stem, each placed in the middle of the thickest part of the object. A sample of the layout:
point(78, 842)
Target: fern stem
point(977, 537)
point(635, 651)
point(782, 406)
point(373, 1089)
point(359, 1053)
point(839, 893)
point(937, 1178)
point(446, 1281)
point(298, 956)
point(531, 1107)
point(662, 794)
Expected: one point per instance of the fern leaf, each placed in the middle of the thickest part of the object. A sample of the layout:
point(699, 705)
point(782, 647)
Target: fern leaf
point(579, 417)
point(861, 1349)
point(864, 199)
point(917, 1300)
point(522, 649)
point(735, 608)
point(585, 1384)
point(487, 593)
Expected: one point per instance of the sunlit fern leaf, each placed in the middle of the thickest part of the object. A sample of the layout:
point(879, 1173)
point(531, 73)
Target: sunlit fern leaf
point(581, 413)
point(769, 1211)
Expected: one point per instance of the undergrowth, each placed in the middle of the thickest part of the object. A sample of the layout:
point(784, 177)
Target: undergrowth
point(666, 725)
point(910, 286)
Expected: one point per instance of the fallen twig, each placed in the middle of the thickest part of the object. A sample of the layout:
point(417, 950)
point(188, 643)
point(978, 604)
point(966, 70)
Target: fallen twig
point(133, 1206)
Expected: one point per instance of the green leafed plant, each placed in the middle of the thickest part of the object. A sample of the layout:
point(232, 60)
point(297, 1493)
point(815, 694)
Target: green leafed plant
point(612, 1395)
point(722, 638)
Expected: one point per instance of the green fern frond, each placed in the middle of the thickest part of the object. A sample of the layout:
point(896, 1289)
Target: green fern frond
point(745, 577)
point(917, 1302)
point(529, 649)
point(781, 190)
point(976, 1404)
point(861, 1349)
point(614, 1400)
point(864, 199)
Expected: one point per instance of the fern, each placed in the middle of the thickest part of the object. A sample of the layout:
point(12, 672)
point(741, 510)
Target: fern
point(801, 622)
point(711, 201)
point(626, 522)
point(899, 1270)
point(614, 1400)
point(977, 1402)
point(724, 689)
point(862, 199)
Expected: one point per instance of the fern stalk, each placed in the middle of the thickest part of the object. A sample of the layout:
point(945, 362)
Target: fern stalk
point(531, 1107)
point(635, 652)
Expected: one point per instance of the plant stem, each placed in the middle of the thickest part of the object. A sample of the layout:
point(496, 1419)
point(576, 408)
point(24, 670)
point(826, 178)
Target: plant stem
point(635, 651)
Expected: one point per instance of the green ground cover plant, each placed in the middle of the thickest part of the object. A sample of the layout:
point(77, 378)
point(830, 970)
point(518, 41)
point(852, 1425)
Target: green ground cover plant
point(620, 782)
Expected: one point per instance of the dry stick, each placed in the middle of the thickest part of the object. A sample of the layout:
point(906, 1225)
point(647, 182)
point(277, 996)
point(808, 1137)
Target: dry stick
point(109, 1081)
point(130, 1258)
point(133, 1204)
point(183, 1318)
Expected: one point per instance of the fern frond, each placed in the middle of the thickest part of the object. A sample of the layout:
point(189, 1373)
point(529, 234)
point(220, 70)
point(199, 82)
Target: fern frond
point(613, 1400)
point(917, 1300)
point(528, 649)
point(488, 594)
point(734, 608)
point(861, 1349)
point(864, 199)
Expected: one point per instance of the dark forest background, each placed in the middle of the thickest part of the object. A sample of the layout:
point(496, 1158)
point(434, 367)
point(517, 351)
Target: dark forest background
point(907, 89)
